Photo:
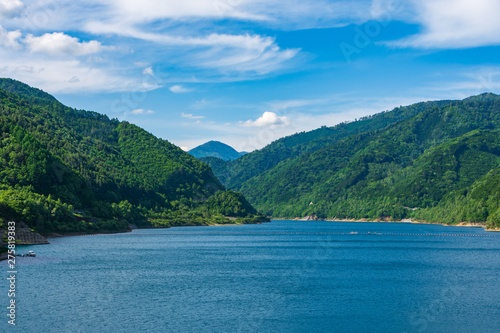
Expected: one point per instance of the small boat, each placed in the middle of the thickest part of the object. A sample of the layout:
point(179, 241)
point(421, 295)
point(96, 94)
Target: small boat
point(353, 233)
point(30, 254)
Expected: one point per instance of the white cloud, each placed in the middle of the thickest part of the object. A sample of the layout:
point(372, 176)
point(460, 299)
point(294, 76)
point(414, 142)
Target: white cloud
point(63, 15)
point(308, 14)
point(177, 89)
point(294, 103)
point(190, 116)
point(10, 8)
point(56, 75)
point(10, 39)
point(148, 71)
point(148, 10)
point(469, 82)
point(60, 44)
point(450, 24)
point(31, 60)
point(268, 119)
point(245, 53)
point(228, 53)
point(298, 14)
point(388, 10)
point(201, 104)
point(141, 111)
point(235, 56)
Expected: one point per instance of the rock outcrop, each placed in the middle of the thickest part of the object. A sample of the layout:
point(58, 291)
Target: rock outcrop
point(25, 236)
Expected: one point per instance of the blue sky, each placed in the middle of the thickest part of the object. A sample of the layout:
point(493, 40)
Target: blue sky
point(247, 72)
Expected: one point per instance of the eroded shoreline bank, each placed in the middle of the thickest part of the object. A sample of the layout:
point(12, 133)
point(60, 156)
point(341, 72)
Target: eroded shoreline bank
point(460, 224)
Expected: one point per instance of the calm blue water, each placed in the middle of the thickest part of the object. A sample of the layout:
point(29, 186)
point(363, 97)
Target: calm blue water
point(262, 278)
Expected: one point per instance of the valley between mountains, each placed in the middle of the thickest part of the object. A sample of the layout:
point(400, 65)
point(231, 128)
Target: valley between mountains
point(66, 171)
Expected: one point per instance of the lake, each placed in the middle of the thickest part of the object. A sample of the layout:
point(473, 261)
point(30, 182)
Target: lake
point(284, 276)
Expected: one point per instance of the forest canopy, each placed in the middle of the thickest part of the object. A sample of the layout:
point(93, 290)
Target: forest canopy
point(432, 161)
point(65, 170)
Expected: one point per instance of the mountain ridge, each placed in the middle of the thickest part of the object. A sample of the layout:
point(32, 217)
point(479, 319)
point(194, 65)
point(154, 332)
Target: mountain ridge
point(65, 170)
point(239, 171)
point(216, 149)
point(346, 176)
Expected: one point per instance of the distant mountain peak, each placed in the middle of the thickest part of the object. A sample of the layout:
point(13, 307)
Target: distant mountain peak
point(216, 149)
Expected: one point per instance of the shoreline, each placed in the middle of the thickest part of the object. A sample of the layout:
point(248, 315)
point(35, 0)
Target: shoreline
point(76, 234)
point(460, 224)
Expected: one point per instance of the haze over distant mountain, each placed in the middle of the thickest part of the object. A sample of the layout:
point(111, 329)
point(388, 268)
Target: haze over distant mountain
point(216, 149)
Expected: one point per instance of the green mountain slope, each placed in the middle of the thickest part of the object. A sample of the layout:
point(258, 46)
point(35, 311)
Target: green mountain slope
point(57, 161)
point(234, 174)
point(407, 169)
point(216, 149)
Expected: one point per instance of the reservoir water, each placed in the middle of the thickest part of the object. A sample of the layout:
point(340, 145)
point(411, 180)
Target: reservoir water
point(284, 276)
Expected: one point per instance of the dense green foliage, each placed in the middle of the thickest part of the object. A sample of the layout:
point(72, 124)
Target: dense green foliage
point(216, 149)
point(434, 161)
point(66, 170)
point(47, 215)
point(235, 173)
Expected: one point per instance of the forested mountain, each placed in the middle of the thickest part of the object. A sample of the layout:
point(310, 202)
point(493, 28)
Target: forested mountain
point(234, 173)
point(216, 149)
point(67, 170)
point(436, 161)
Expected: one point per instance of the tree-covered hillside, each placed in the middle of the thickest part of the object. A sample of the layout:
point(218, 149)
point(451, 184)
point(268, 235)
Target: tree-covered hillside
point(68, 170)
point(234, 174)
point(435, 162)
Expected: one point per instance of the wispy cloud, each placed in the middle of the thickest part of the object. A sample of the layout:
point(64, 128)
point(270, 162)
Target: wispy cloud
point(141, 112)
point(246, 54)
point(56, 75)
point(142, 29)
point(201, 104)
point(204, 41)
point(178, 89)
point(149, 10)
point(452, 24)
point(187, 32)
point(148, 71)
point(282, 105)
point(191, 116)
point(224, 52)
point(299, 14)
point(472, 81)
